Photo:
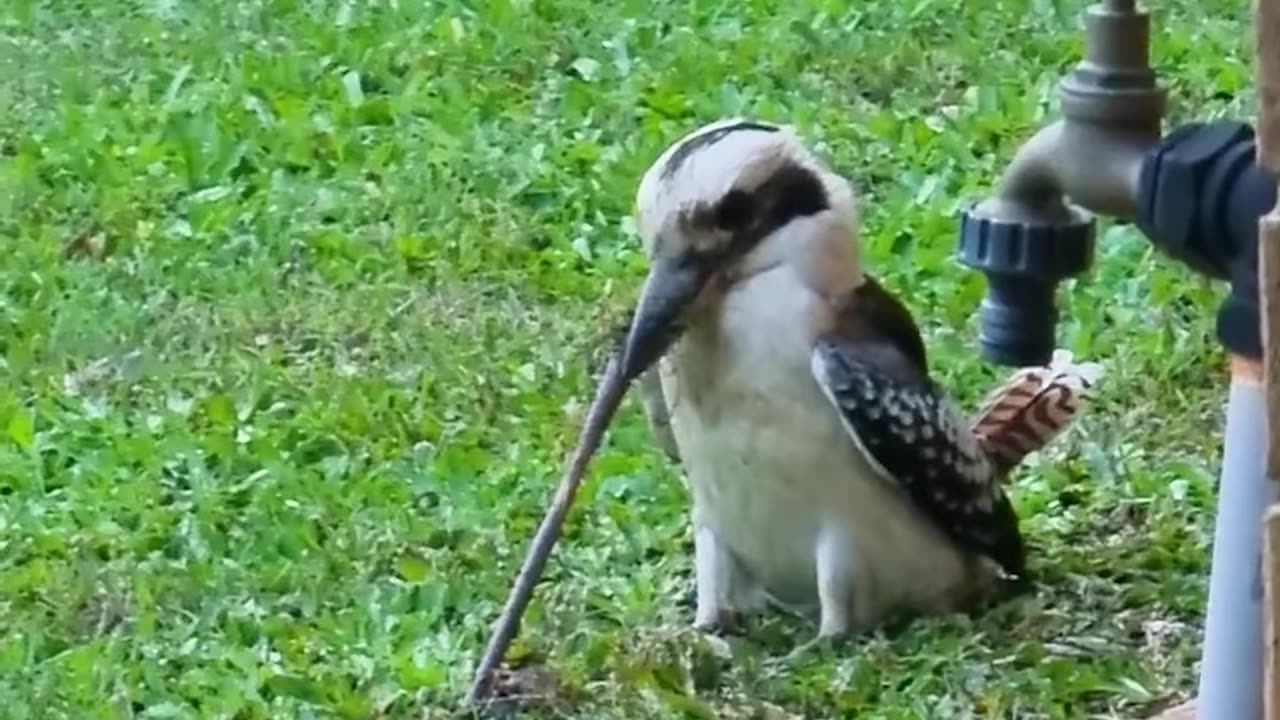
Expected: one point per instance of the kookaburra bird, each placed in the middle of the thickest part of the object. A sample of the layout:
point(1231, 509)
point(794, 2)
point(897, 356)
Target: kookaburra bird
point(828, 472)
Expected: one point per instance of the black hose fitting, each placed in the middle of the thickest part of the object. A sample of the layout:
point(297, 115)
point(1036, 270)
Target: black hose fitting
point(1024, 264)
point(1201, 195)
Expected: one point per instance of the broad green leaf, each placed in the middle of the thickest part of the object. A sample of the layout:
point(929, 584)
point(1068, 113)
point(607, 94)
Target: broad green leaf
point(21, 429)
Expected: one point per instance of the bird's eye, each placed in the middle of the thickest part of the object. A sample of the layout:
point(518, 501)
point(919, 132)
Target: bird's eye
point(734, 210)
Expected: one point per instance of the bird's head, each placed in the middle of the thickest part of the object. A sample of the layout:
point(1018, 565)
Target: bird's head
point(725, 202)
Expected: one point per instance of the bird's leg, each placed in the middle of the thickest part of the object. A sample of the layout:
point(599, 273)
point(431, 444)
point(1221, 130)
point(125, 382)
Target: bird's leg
point(835, 584)
point(717, 576)
point(837, 594)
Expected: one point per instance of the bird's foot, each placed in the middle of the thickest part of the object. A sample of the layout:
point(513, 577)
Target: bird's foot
point(722, 621)
point(817, 645)
point(1017, 586)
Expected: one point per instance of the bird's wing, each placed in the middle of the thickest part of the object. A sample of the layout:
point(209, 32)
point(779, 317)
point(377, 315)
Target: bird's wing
point(656, 411)
point(869, 367)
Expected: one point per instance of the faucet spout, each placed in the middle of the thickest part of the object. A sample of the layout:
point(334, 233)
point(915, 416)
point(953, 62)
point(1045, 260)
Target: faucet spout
point(1037, 228)
point(1112, 108)
point(1067, 162)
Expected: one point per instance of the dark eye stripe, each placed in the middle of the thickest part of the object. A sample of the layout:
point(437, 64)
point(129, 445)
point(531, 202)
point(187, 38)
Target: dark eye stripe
point(791, 192)
point(734, 210)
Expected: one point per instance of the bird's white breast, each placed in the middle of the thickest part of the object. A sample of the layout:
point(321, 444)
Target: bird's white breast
point(770, 465)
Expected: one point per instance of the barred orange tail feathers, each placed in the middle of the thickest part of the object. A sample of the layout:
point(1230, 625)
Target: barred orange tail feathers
point(1032, 408)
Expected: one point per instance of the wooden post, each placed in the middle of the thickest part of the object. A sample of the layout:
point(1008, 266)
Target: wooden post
point(1271, 577)
point(1267, 47)
point(1266, 24)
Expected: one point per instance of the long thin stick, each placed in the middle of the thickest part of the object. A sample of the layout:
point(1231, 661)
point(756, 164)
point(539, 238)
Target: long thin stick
point(609, 395)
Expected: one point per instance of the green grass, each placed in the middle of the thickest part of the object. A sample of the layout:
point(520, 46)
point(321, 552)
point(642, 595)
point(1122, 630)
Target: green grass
point(299, 301)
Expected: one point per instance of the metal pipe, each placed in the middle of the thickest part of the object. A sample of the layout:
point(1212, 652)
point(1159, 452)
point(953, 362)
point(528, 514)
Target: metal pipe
point(1096, 166)
point(1037, 228)
point(1112, 108)
point(1230, 677)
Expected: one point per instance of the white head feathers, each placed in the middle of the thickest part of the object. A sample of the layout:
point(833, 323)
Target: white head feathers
point(701, 168)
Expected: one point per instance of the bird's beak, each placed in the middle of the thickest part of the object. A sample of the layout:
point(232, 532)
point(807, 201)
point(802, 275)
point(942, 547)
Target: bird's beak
point(670, 288)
